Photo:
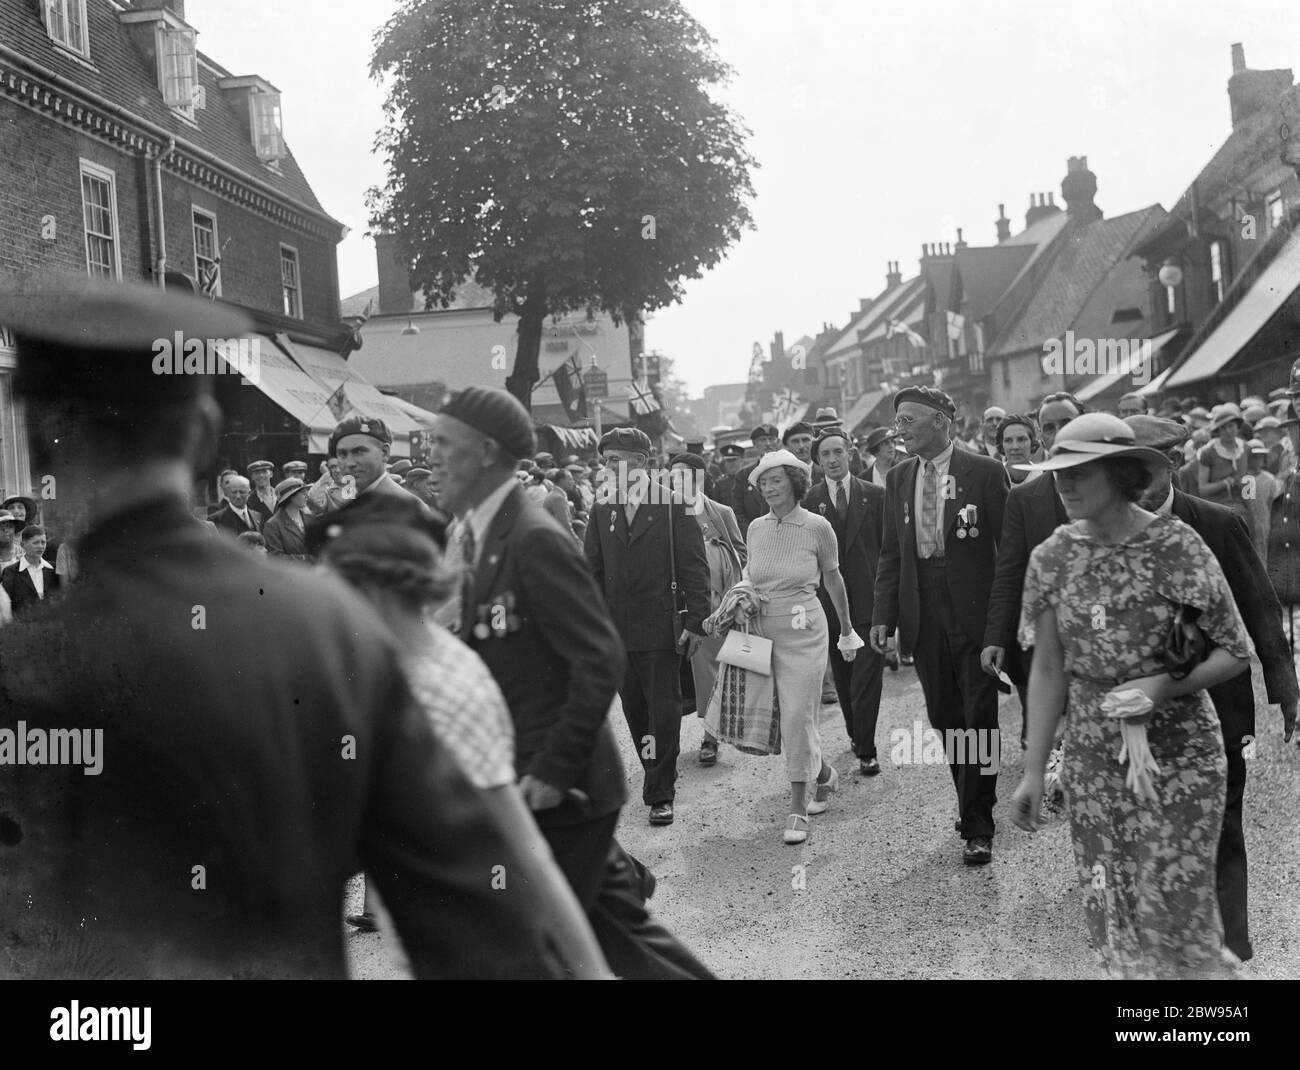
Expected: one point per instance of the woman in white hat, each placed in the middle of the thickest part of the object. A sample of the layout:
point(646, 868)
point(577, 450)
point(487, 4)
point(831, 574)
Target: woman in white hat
point(791, 551)
point(1100, 596)
point(1223, 464)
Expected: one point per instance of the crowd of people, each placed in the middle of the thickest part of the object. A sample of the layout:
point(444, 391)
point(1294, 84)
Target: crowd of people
point(465, 624)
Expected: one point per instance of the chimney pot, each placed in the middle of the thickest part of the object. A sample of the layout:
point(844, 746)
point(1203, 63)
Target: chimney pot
point(1238, 58)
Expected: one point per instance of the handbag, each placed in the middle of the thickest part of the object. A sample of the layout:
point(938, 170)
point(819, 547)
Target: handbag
point(745, 650)
point(1186, 645)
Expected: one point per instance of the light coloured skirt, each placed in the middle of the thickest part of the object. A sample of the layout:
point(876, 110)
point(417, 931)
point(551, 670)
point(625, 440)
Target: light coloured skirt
point(797, 628)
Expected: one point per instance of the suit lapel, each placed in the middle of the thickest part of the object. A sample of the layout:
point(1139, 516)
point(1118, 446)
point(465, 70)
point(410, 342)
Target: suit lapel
point(907, 488)
point(857, 511)
point(642, 521)
point(958, 471)
point(491, 557)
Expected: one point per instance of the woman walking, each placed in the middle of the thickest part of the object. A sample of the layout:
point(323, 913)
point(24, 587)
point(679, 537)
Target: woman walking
point(1224, 462)
point(790, 550)
point(725, 549)
point(1099, 599)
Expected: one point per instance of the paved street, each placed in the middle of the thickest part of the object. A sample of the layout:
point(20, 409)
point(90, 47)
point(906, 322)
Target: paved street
point(886, 894)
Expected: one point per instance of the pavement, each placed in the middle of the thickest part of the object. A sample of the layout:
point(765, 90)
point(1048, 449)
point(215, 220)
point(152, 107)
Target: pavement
point(879, 890)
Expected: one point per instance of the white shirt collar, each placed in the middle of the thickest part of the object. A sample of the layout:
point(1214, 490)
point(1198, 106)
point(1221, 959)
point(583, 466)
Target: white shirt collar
point(941, 461)
point(24, 564)
point(481, 516)
point(1167, 507)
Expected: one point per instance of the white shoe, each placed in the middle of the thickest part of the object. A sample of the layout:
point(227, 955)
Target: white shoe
point(820, 805)
point(793, 833)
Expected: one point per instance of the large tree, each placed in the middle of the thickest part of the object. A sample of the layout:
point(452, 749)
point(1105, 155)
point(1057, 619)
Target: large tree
point(562, 153)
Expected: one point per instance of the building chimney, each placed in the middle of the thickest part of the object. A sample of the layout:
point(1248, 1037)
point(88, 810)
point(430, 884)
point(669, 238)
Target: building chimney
point(1002, 223)
point(1077, 189)
point(1251, 91)
point(394, 275)
point(778, 346)
point(961, 242)
point(1041, 205)
point(893, 277)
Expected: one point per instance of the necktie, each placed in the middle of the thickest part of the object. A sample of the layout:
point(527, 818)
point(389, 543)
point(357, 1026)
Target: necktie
point(467, 555)
point(468, 548)
point(841, 501)
point(929, 512)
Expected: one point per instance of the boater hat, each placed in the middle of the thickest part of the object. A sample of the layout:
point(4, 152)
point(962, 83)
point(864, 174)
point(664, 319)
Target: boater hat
point(1093, 436)
point(778, 459)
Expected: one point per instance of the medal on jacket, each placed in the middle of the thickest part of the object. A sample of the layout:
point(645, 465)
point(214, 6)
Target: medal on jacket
point(481, 629)
point(513, 622)
point(966, 522)
point(907, 514)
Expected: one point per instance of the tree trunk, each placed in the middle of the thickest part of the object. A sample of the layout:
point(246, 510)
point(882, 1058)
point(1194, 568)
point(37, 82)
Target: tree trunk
point(527, 352)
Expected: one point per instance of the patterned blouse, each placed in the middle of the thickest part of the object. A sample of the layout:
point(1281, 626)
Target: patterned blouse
point(787, 557)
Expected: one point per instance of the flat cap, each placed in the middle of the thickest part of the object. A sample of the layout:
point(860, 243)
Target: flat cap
point(399, 468)
point(1157, 432)
point(631, 439)
point(260, 466)
point(295, 466)
point(360, 425)
point(101, 340)
point(417, 472)
point(927, 396)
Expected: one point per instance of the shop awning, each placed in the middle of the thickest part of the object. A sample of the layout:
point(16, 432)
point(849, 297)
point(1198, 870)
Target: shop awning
point(1257, 306)
point(1156, 384)
point(289, 387)
point(863, 408)
point(1103, 383)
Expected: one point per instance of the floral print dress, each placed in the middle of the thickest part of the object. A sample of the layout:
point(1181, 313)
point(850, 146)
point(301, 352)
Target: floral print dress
point(1147, 870)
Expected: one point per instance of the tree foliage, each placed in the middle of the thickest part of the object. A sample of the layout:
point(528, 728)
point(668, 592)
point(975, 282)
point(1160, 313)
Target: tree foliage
point(563, 153)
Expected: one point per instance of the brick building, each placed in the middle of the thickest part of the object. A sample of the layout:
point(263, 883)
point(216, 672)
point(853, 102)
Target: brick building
point(128, 154)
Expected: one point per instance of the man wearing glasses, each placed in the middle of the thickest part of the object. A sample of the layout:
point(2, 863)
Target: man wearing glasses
point(943, 515)
point(1034, 511)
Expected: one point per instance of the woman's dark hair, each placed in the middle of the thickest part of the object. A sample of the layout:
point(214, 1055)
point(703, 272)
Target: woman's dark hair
point(799, 481)
point(29, 505)
point(32, 531)
point(1128, 475)
point(401, 560)
point(1018, 418)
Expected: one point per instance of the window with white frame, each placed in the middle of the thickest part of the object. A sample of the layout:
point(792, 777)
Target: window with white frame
point(268, 134)
point(99, 217)
point(207, 271)
point(289, 281)
point(178, 68)
point(1274, 208)
point(65, 21)
point(1217, 270)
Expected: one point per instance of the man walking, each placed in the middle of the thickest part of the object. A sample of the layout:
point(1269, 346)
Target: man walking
point(943, 516)
point(647, 555)
point(856, 510)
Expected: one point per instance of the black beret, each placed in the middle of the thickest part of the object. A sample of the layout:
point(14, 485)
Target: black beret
point(927, 396)
point(360, 425)
point(631, 439)
point(764, 431)
point(495, 413)
point(799, 428)
point(694, 460)
point(88, 338)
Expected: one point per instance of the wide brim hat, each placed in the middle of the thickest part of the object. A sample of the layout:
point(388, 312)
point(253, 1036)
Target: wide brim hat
point(777, 459)
point(1222, 414)
point(1094, 436)
point(286, 489)
point(878, 438)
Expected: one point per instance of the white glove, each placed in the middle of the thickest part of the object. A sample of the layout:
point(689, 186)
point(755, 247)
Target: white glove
point(850, 643)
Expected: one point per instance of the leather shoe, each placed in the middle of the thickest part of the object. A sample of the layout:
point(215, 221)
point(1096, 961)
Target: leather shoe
point(365, 922)
point(869, 767)
point(978, 851)
point(709, 752)
point(891, 659)
point(661, 814)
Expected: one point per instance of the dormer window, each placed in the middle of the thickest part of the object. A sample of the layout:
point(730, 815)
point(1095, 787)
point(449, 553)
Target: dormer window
point(65, 21)
point(178, 69)
point(268, 136)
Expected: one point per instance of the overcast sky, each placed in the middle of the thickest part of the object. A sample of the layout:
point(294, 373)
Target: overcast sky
point(879, 126)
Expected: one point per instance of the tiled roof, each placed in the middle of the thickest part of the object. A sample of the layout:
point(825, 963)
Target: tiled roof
point(876, 312)
point(125, 77)
point(986, 273)
point(1088, 254)
point(468, 295)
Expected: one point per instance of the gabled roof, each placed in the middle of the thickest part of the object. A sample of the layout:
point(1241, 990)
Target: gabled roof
point(122, 75)
point(878, 311)
point(986, 274)
point(1081, 263)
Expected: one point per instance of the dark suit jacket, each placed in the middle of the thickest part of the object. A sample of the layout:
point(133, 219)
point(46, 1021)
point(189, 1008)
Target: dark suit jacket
point(979, 481)
point(746, 502)
point(283, 537)
point(1228, 538)
point(260, 507)
point(279, 775)
point(859, 540)
point(634, 572)
point(1034, 511)
point(226, 518)
point(22, 591)
point(560, 666)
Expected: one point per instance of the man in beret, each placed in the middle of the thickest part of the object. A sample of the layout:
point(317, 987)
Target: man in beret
point(1228, 538)
point(262, 498)
point(746, 502)
point(641, 547)
point(943, 519)
point(361, 444)
point(214, 843)
point(532, 611)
